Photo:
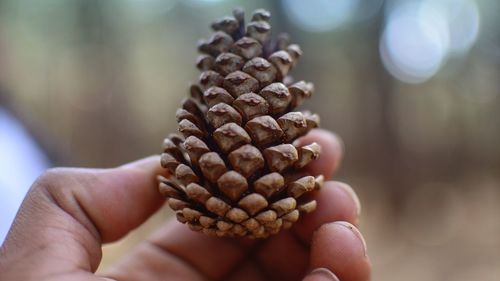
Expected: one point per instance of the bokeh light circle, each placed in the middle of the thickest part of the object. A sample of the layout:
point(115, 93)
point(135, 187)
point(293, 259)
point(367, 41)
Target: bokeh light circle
point(463, 19)
point(414, 45)
point(420, 36)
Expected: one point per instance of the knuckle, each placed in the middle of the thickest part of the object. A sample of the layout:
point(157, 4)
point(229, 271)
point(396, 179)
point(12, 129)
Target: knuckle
point(51, 179)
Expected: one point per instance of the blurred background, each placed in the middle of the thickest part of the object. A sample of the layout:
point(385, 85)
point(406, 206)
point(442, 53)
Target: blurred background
point(412, 87)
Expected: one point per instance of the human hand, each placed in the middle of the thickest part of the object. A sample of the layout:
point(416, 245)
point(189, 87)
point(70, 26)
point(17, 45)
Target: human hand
point(70, 212)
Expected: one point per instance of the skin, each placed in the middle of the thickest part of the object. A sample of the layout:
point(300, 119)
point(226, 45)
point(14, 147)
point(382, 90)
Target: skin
point(70, 212)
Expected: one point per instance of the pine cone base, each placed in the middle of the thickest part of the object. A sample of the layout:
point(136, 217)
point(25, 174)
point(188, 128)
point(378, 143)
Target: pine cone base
point(235, 169)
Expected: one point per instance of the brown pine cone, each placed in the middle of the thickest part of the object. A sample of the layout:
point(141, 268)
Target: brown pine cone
point(235, 170)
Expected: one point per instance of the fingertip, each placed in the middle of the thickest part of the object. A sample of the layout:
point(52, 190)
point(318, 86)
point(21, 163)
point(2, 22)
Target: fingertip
point(340, 247)
point(352, 194)
point(334, 204)
point(331, 152)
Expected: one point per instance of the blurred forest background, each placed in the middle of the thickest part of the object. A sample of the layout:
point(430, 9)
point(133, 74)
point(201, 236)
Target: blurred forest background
point(412, 87)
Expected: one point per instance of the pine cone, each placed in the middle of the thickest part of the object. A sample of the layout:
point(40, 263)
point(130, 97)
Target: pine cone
point(235, 170)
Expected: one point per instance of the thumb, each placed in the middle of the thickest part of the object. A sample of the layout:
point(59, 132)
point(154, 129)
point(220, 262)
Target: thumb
point(69, 212)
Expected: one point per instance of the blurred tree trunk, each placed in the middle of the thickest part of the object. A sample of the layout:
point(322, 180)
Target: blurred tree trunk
point(380, 149)
point(107, 114)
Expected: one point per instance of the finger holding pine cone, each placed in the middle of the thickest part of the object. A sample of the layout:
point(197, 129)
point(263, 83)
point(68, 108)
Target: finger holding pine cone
point(235, 170)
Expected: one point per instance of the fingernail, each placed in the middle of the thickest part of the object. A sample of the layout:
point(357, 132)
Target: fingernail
point(355, 231)
point(322, 274)
point(106, 279)
point(353, 195)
